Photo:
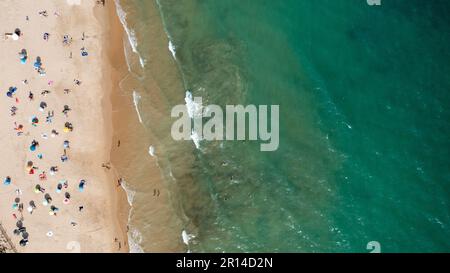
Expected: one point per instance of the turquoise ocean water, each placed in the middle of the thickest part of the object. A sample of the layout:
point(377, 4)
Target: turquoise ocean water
point(364, 96)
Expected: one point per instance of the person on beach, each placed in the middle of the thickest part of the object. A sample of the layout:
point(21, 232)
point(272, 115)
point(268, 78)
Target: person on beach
point(66, 200)
point(7, 181)
point(54, 133)
point(34, 121)
point(59, 187)
point(42, 106)
point(68, 127)
point(53, 210)
point(66, 110)
point(66, 144)
point(48, 198)
point(31, 96)
point(11, 91)
point(30, 167)
point(45, 92)
point(31, 207)
point(23, 56)
point(64, 157)
point(34, 145)
point(13, 110)
point(43, 176)
point(15, 35)
point(82, 185)
point(67, 40)
point(38, 189)
point(53, 170)
point(84, 52)
point(38, 63)
point(18, 128)
point(49, 117)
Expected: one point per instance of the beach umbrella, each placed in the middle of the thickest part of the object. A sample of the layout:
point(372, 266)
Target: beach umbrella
point(81, 185)
point(42, 105)
point(48, 198)
point(23, 56)
point(66, 144)
point(23, 242)
point(67, 199)
point(11, 91)
point(7, 180)
point(68, 127)
point(59, 188)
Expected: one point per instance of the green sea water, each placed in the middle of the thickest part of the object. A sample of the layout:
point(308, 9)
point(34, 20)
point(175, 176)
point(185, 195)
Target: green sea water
point(364, 96)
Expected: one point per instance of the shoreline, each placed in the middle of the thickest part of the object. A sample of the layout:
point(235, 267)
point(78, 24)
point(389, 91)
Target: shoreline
point(111, 78)
point(155, 222)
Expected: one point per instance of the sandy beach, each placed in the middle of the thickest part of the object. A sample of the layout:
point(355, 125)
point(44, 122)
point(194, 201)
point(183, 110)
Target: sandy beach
point(59, 191)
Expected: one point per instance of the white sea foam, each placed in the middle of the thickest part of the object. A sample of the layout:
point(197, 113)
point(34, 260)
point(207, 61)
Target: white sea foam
point(186, 237)
point(130, 193)
point(194, 109)
point(136, 99)
point(134, 236)
point(196, 139)
point(130, 32)
point(127, 58)
point(134, 241)
point(151, 150)
point(172, 49)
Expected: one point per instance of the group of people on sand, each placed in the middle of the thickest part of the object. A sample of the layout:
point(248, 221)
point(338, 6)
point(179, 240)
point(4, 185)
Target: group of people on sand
point(35, 153)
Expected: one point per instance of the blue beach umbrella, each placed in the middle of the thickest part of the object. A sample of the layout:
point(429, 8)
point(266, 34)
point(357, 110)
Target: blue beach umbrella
point(11, 91)
point(7, 181)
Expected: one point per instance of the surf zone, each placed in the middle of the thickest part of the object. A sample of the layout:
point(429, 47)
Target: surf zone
point(236, 122)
